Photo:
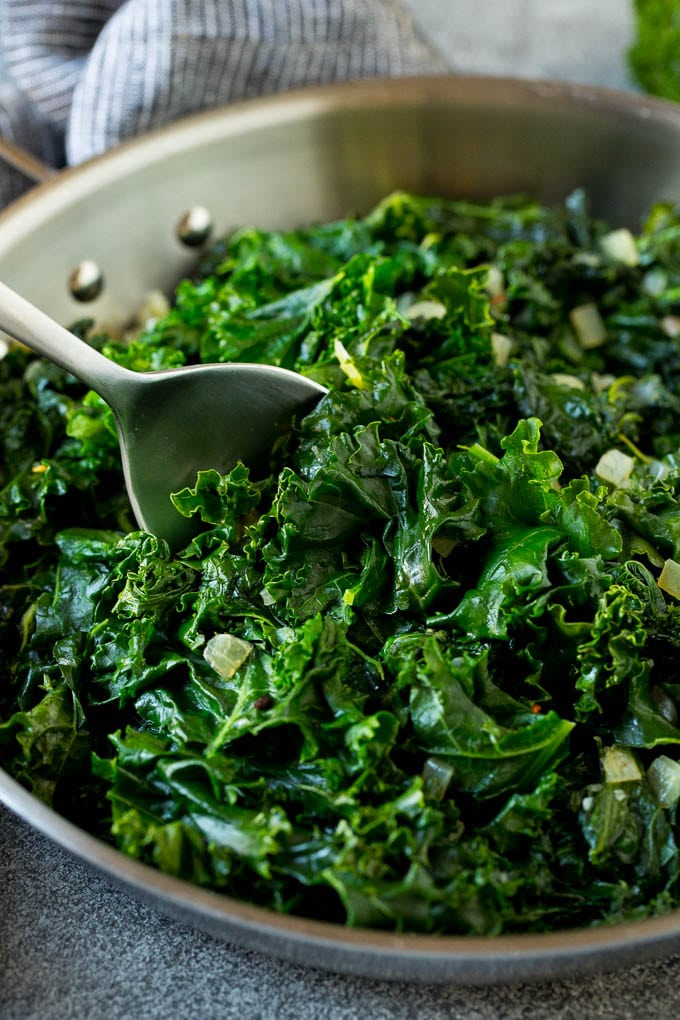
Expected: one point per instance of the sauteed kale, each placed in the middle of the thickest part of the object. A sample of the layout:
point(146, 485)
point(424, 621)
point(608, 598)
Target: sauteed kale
point(652, 58)
point(426, 675)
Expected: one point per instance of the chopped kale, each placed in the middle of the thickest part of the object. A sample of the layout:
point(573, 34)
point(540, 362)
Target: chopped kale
point(655, 54)
point(426, 675)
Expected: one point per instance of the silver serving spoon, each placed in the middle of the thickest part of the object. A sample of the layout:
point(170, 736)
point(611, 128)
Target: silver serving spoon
point(173, 423)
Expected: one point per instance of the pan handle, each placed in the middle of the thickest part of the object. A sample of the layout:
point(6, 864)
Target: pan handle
point(29, 165)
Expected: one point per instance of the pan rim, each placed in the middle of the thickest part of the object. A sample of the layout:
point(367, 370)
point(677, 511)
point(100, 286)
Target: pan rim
point(468, 959)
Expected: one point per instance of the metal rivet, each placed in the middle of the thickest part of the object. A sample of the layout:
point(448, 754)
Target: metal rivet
point(86, 282)
point(194, 226)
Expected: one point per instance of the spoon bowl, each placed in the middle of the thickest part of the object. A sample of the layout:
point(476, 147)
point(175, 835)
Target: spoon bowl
point(173, 423)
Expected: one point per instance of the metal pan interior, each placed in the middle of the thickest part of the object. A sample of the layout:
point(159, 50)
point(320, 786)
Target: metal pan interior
point(308, 157)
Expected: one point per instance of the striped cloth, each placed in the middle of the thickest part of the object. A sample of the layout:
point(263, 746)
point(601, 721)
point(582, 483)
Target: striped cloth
point(76, 76)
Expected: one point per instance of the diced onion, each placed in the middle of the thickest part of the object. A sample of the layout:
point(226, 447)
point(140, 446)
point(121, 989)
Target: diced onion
point(495, 284)
point(664, 778)
point(620, 765)
point(588, 325)
point(669, 578)
point(620, 245)
point(615, 467)
point(426, 310)
point(437, 775)
point(564, 379)
point(226, 653)
point(155, 306)
point(587, 258)
point(670, 324)
point(655, 282)
point(600, 383)
point(501, 346)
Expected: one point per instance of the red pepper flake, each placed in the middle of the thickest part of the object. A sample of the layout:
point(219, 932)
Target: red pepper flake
point(263, 703)
point(536, 709)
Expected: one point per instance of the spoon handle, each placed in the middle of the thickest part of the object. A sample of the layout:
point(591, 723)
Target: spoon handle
point(27, 324)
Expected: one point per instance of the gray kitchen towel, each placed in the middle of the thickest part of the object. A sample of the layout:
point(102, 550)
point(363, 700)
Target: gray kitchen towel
point(77, 77)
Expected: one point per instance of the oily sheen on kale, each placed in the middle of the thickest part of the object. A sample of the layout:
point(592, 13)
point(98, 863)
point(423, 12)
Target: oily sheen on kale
point(425, 674)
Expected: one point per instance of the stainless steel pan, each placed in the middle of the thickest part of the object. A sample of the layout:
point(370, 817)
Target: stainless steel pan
point(295, 159)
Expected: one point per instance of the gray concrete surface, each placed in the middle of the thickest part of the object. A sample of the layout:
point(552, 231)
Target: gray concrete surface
point(575, 40)
point(71, 946)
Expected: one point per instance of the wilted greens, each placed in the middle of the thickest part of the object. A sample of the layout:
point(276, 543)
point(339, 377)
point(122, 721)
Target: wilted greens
point(655, 54)
point(425, 674)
